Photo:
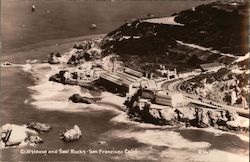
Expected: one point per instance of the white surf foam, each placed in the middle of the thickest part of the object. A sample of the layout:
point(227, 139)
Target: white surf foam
point(162, 138)
point(204, 156)
point(123, 118)
point(49, 95)
point(218, 132)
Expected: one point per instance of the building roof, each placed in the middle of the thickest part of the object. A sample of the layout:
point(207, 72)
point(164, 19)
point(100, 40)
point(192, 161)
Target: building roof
point(120, 78)
point(210, 65)
point(133, 72)
point(149, 84)
point(127, 76)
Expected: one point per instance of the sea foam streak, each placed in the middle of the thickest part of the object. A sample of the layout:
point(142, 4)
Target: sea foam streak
point(54, 96)
point(204, 156)
point(162, 138)
point(179, 148)
point(220, 132)
point(123, 118)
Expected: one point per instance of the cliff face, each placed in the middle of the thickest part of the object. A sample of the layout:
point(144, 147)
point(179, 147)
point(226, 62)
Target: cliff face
point(224, 86)
point(220, 26)
point(190, 116)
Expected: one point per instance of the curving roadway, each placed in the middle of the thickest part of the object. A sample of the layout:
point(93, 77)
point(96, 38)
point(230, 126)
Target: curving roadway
point(174, 86)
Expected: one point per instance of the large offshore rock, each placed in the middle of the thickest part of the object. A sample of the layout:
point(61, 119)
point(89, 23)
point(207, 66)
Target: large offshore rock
point(14, 135)
point(76, 98)
point(71, 134)
point(34, 140)
point(39, 127)
point(59, 77)
point(53, 59)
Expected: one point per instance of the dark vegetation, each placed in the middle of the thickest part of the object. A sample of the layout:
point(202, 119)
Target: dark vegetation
point(220, 26)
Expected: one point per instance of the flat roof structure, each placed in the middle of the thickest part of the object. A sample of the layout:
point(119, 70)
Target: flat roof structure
point(208, 66)
point(133, 72)
point(120, 78)
point(149, 84)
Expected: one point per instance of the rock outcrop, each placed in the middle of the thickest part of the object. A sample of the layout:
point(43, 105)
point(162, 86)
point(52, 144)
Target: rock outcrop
point(86, 51)
point(222, 86)
point(15, 135)
point(6, 64)
point(76, 98)
point(53, 58)
point(39, 127)
point(196, 117)
point(64, 77)
point(71, 134)
point(33, 140)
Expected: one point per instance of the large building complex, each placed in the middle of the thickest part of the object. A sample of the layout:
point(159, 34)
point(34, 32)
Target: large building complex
point(121, 81)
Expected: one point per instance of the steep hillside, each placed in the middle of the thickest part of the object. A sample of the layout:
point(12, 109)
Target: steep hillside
point(225, 86)
point(219, 26)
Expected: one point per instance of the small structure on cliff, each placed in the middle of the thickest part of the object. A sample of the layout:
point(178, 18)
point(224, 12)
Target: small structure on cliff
point(162, 98)
point(133, 72)
point(169, 74)
point(170, 99)
point(211, 67)
point(150, 84)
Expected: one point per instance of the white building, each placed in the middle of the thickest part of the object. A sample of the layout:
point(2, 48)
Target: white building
point(170, 99)
point(211, 67)
point(169, 74)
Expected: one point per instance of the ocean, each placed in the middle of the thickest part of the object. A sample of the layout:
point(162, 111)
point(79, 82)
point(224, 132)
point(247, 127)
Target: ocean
point(56, 19)
point(23, 34)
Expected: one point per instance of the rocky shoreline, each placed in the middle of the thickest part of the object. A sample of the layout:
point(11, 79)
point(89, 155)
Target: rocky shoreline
point(189, 116)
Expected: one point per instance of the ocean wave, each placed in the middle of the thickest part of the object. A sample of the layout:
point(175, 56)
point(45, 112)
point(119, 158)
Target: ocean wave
point(218, 132)
point(49, 95)
point(173, 147)
point(124, 118)
point(203, 155)
point(170, 139)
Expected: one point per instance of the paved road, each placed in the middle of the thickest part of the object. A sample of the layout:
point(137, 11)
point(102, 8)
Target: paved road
point(174, 86)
